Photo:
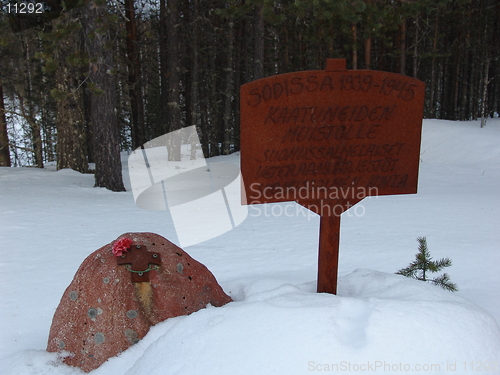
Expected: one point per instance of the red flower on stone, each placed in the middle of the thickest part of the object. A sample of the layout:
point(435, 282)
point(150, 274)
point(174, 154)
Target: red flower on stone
point(121, 246)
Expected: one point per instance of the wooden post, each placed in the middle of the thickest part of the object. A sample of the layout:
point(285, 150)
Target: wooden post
point(328, 257)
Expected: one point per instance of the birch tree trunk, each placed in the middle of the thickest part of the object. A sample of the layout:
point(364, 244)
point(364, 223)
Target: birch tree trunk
point(4, 137)
point(485, 92)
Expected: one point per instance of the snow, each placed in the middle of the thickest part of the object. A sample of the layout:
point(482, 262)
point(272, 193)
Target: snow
point(378, 323)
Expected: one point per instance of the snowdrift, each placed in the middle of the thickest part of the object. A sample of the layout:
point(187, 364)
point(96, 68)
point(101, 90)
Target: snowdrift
point(378, 323)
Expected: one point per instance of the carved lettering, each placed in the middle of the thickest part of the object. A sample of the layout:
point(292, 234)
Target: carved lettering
point(297, 85)
point(328, 114)
point(312, 83)
point(401, 88)
point(333, 152)
point(393, 181)
point(380, 165)
point(267, 93)
point(326, 82)
point(278, 90)
point(271, 114)
point(330, 132)
point(292, 86)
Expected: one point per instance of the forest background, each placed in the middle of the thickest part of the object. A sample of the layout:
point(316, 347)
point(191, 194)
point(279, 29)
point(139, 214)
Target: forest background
point(83, 80)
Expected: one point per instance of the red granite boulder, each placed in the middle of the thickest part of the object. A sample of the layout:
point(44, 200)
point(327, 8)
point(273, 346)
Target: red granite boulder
point(113, 300)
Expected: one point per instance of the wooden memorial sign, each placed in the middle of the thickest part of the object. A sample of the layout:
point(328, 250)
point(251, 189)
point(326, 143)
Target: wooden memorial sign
point(327, 139)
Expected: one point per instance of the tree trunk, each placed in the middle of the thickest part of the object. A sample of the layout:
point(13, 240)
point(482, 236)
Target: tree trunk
point(286, 56)
point(368, 41)
point(28, 111)
point(485, 92)
point(213, 107)
point(173, 93)
point(194, 104)
point(415, 48)
point(71, 148)
point(204, 125)
point(456, 91)
point(259, 43)
point(163, 48)
point(466, 74)
point(354, 33)
point(402, 46)
point(47, 121)
point(87, 120)
point(4, 137)
point(134, 74)
point(106, 144)
point(228, 92)
point(36, 130)
point(368, 52)
point(240, 76)
point(432, 100)
point(486, 60)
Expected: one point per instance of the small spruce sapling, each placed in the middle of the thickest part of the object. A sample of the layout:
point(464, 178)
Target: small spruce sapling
point(423, 264)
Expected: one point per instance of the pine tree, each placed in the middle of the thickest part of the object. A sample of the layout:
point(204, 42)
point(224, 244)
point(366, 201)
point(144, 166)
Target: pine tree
point(423, 264)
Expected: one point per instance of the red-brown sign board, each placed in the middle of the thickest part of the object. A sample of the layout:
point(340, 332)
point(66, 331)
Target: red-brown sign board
point(330, 137)
point(327, 139)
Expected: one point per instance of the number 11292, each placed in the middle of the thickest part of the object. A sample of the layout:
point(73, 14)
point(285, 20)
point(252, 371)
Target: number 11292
point(24, 8)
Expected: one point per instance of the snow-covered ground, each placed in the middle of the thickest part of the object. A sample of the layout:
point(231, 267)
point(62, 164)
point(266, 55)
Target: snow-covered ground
point(378, 323)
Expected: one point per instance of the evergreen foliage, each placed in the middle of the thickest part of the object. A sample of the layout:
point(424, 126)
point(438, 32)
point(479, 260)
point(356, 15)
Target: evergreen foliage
point(175, 69)
point(423, 265)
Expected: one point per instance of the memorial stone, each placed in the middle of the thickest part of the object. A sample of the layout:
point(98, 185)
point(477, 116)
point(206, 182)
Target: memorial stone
point(123, 289)
point(326, 140)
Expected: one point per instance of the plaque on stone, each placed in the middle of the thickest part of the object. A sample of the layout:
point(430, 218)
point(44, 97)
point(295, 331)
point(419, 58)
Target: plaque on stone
point(327, 139)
